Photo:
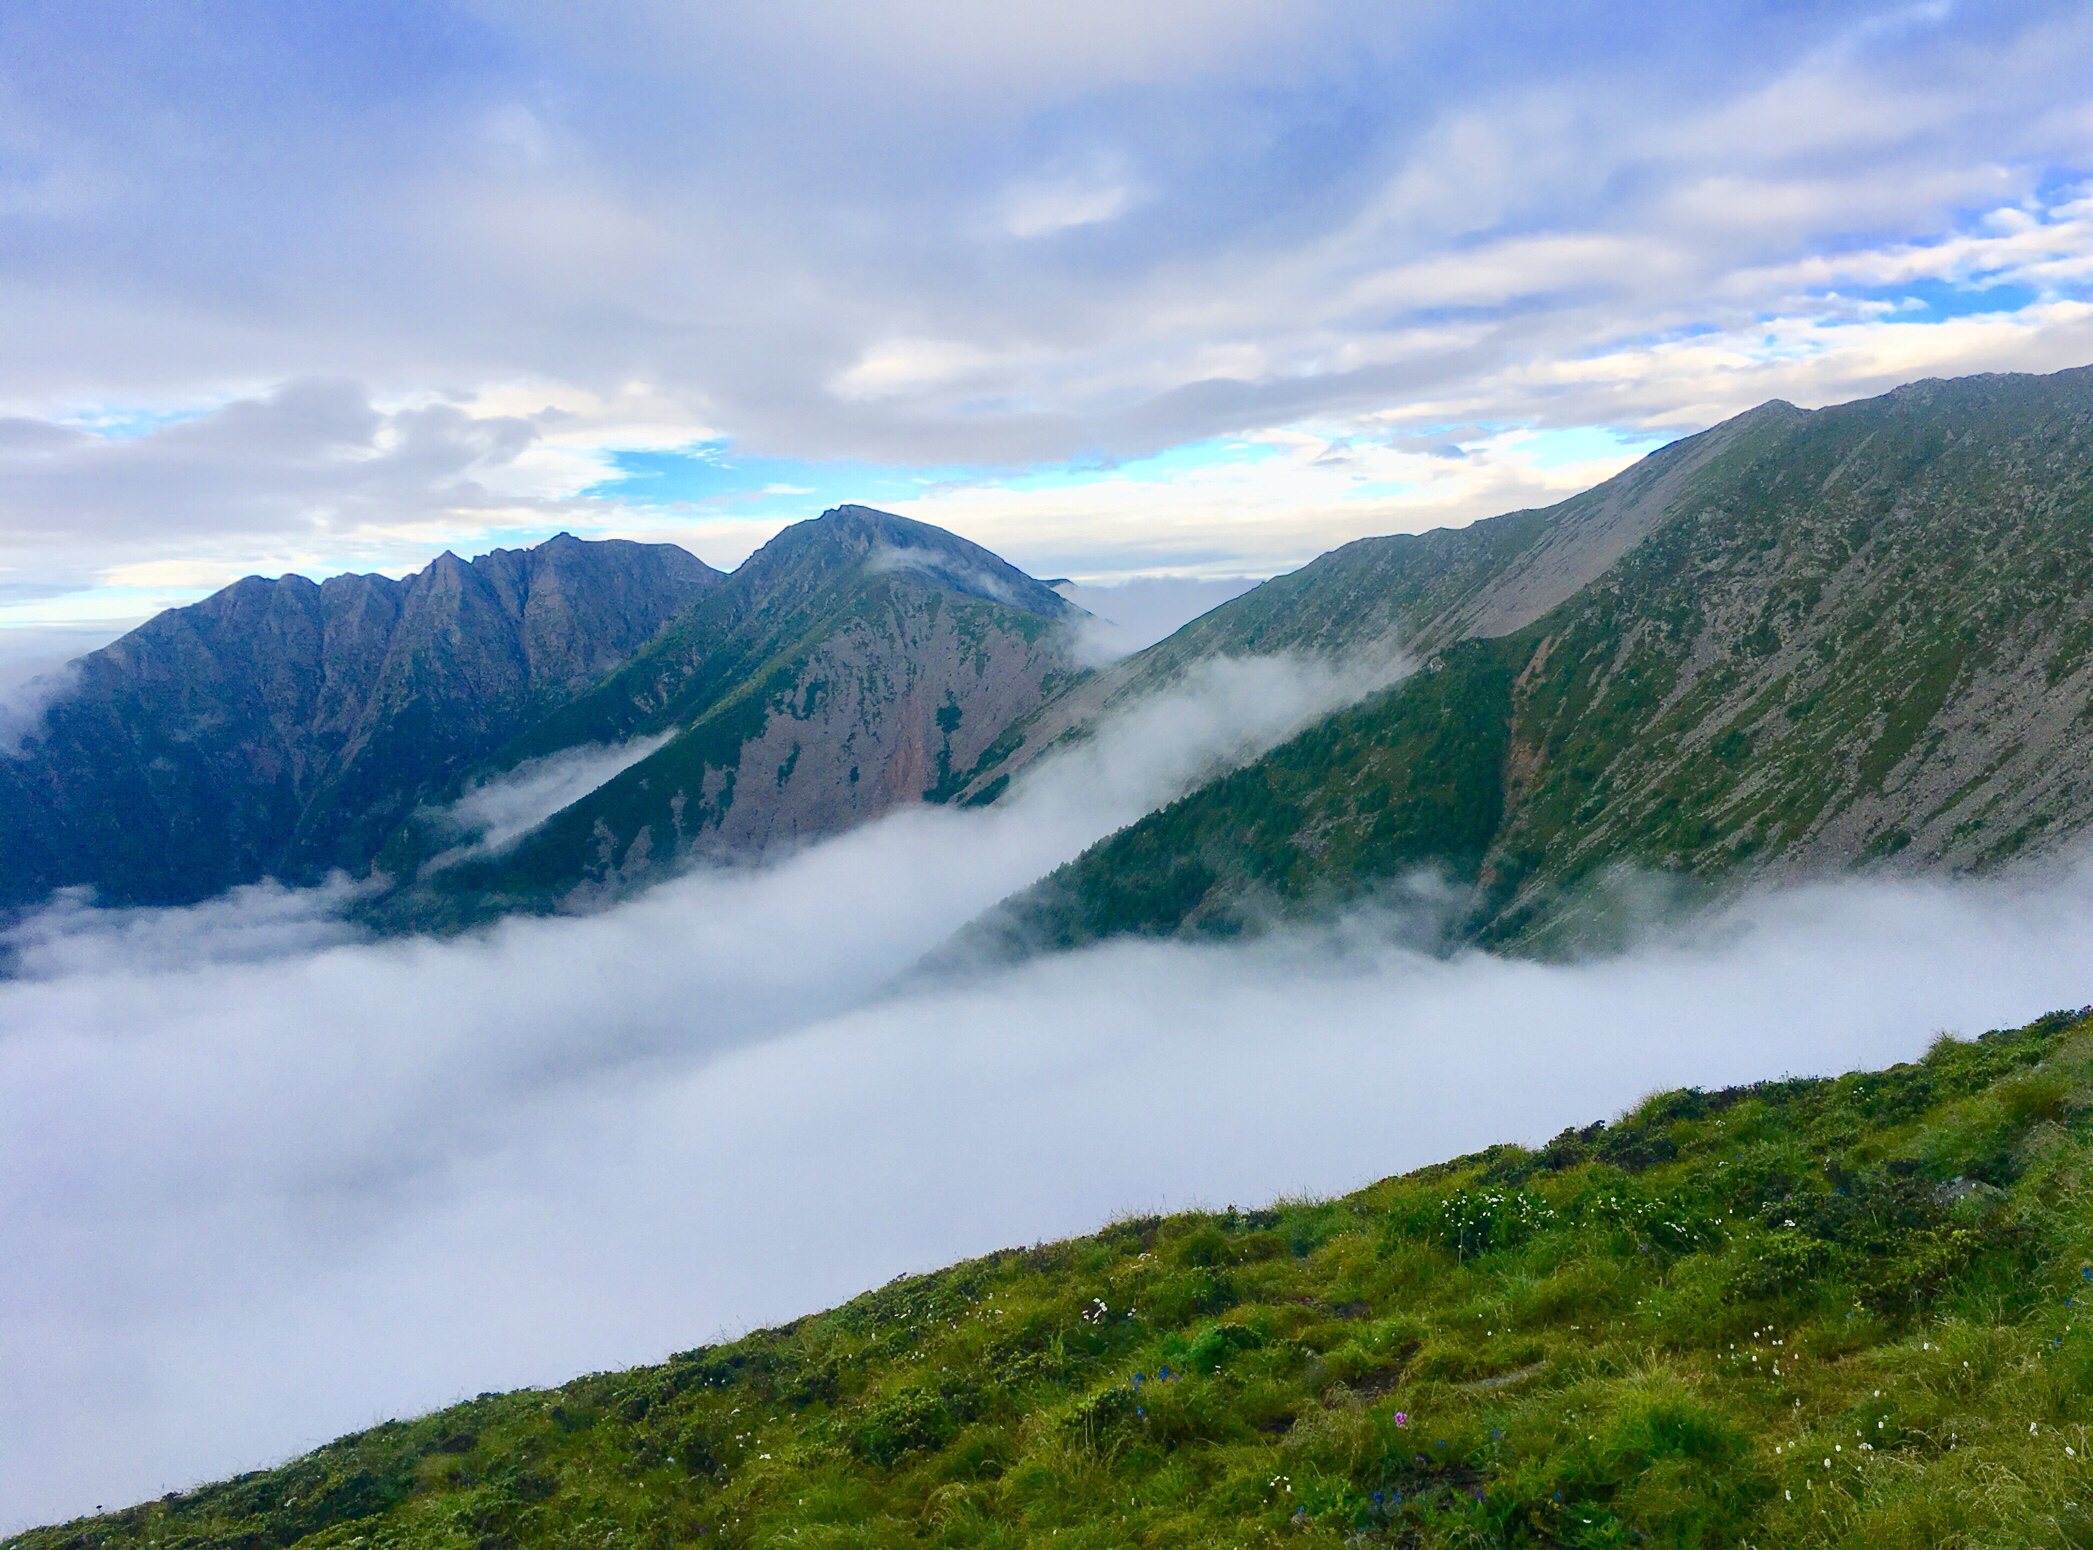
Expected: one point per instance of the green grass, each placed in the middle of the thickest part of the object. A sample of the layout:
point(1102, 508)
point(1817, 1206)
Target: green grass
point(1804, 1313)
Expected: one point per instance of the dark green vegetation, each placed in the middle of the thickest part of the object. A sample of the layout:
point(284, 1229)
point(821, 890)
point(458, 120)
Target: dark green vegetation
point(1810, 641)
point(1803, 1313)
point(284, 728)
point(1422, 787)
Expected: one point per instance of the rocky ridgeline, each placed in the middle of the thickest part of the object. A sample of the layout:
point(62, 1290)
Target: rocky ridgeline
point(1799, 643)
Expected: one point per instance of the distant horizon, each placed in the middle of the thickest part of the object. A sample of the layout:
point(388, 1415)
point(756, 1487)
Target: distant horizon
point(17, 632)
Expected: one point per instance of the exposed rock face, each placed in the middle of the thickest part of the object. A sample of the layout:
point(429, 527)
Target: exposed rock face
point(283, 728)
point(1799, 643)
point(858, 662)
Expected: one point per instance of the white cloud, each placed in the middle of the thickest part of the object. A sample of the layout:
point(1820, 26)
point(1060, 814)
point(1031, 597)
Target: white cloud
point(909, 365)
point(261, 1185)
point(1042, 209)
point(793, 228)
point(497, 811)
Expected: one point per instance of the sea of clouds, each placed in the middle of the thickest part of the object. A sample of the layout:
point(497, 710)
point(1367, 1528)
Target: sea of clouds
point(263, 1182)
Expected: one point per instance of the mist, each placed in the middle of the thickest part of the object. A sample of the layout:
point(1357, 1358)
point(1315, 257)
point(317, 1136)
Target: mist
point(263, 1182)
point(1127, 616)
point(498, 811)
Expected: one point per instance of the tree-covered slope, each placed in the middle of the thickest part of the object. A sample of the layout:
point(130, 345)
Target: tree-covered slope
point(1858, 636)
point(1843, 1312)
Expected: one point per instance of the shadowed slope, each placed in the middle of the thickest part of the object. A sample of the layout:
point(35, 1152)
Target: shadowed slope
point(283, 728)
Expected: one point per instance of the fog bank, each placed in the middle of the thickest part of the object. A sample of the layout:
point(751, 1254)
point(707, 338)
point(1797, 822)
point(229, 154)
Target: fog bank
point(263, 1183)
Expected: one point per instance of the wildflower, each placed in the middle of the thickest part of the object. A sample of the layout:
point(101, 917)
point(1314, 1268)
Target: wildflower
point(1402, 1418)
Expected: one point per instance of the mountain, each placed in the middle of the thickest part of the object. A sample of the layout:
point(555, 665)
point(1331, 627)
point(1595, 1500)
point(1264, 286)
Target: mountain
point(1418, 591)
point(284, 728)
point(1805, 1312)
point(857, 662)
point(1799, 643)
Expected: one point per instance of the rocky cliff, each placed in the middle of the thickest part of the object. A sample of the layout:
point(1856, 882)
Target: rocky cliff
point(283, 728)
point(857, 662)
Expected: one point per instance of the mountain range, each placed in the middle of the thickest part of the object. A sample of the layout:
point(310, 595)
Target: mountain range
point(1799, 642)
point(289, 729)
point(284, 728)
point(1807, 1311)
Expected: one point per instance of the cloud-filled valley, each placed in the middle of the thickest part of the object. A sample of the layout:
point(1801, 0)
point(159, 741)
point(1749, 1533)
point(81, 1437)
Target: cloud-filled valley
point(267, 1182)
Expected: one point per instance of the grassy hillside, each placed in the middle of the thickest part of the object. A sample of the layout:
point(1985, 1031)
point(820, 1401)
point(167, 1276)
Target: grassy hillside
point(1862, 635)
point(1803, 1313)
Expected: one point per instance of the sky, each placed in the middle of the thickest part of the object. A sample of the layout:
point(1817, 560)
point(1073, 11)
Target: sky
point(263, 1183)
point(1188, 290)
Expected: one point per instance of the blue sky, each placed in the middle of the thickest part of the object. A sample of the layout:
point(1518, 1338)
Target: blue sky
point(1194, 288)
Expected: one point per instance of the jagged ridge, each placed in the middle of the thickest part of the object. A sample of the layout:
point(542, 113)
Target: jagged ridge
point(284, 728)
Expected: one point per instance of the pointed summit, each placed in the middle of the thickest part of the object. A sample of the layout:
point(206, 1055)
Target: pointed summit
point(886, 544)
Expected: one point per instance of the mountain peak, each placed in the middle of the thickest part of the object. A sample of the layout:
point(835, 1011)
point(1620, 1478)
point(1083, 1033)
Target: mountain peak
point(885, 543)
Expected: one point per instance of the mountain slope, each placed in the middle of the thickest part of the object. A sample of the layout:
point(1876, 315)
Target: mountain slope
point(856, 662)
point(1854, 636)
point(1421, 590)
point(283, 728)
point(1805, 1313)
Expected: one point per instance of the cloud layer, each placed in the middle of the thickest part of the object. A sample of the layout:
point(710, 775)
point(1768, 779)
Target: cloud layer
point(1075, 235)
point(263, 1183)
